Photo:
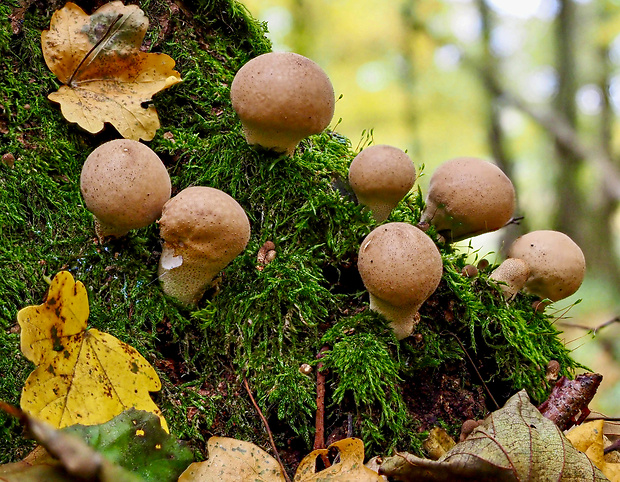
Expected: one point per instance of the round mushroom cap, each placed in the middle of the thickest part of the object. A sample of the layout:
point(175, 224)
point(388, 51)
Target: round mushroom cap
point(282, 98)
point(400, 265)
point(381, 176)
point(557, 264)
point(125, 185)
point(467, 197)
point(205, 226)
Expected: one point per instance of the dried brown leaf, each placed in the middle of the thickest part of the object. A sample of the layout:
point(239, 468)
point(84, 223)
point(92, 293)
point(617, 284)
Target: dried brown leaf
point(515, 443)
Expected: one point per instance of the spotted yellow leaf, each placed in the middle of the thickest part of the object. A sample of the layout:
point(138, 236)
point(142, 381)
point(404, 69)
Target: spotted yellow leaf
point(82, 375)
point(107, 77)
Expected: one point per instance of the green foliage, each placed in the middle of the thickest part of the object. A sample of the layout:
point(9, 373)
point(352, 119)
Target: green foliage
point(134, 440)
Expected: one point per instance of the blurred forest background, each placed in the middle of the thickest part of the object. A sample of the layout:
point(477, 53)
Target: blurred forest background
point(532, 84)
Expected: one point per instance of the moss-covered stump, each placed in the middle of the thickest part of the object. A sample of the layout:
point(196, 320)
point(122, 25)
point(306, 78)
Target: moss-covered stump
point(260, 322)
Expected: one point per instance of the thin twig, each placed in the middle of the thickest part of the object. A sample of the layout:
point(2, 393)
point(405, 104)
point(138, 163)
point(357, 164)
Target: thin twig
point(260, 413)
point(594, 330)
point(319, 433)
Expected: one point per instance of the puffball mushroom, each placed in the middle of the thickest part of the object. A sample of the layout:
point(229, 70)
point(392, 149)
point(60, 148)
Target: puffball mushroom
point(203, 230)
point(400, 267)
point(380, 176)
point(557, 264)
point(467, 197)
point(282, 98)
point(125, 185)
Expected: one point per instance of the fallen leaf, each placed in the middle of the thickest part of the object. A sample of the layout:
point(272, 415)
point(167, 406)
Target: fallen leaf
point(588, 438)
point(437, 443)
point(514, 443)
point(75, 460)
point(234, 460)
point(107, 78)
point(350, 468)
point(136, 441)
point(82, 376)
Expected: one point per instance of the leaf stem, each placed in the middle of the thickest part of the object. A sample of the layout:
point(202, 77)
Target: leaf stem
point(99, 42)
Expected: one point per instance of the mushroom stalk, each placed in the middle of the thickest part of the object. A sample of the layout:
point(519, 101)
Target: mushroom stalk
point(512, 275)
point(403, 319)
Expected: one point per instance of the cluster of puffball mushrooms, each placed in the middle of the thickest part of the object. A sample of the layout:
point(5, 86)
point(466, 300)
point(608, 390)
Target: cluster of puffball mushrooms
point(282, 98)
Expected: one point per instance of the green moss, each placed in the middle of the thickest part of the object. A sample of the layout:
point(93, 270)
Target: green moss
point(261, 324)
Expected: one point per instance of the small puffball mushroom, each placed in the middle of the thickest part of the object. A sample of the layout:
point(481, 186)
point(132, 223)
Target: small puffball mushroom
point(203, 230)
point(400, 267)
point(512, 275)
point(125, 185)
point(380, 176)
point(282, 98)
point(467, 197)
point(557, 264)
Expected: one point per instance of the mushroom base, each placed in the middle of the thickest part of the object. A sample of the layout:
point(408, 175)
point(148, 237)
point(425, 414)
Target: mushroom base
point(402, 319)
point(270, 139)
point(186, 282)
point(103, 230)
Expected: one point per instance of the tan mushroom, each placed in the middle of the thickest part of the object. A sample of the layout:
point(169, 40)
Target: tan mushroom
point(400, 267)
point(557, 264)
point(282, 98)
point(381, 176)
point(203, 230)
point(125, 185)
point(467, 197)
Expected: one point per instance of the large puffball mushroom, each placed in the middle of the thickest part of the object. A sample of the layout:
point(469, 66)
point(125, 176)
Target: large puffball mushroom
point(557, 264)
point(381, 176)
point(400, 267)
point(282, 98)
point(125, 185)
point(467, 197)
point(203, 230)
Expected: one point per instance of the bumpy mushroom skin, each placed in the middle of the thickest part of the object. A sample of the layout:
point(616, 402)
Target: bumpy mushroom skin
point(512, 274)
point(467, 197)
point(282, 98)
point(400, 267)
point(203, 230)
point(557, 264)
point(125, 185)
point(380, 176)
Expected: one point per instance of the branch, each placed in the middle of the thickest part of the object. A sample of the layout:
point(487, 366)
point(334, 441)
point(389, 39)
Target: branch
point(553, 123)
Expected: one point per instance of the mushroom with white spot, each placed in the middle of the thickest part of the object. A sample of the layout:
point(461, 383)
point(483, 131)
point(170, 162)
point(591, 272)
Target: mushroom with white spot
point(400, 267)
point(554, 265)
point(468, 196)
point(381, 176)
point(125, 185)
point(282, 98)
point(203, 230)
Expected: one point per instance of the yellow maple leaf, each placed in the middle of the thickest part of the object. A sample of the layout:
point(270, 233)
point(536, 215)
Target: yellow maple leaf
point(82, 376)
point(107, 78)
point(588, 438)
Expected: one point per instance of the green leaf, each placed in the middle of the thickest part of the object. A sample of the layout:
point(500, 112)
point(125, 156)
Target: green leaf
point(136, 441)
